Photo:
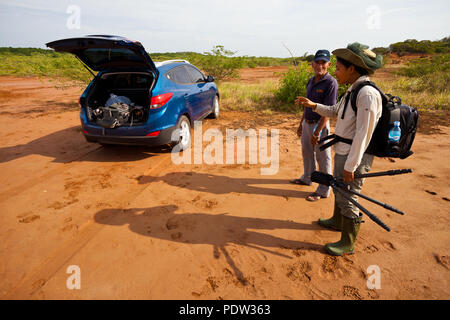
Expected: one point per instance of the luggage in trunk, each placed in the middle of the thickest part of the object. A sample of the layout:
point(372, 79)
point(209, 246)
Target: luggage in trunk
point(120, 99)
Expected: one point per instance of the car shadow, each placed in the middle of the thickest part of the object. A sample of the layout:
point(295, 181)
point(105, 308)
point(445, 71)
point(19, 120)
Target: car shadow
point(69, 145)
point(216, 184)
point(217, 230)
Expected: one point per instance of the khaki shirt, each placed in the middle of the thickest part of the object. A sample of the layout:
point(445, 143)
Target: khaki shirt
point(358, 127)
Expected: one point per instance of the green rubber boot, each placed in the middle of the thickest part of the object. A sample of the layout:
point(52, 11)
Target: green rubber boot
point(350, 229)
point(335, 222)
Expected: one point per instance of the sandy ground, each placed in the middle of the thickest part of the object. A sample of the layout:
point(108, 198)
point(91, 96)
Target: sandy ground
point(140, 227)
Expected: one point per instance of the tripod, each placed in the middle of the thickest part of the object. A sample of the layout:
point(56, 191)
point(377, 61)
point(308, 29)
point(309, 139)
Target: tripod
point(342, 188)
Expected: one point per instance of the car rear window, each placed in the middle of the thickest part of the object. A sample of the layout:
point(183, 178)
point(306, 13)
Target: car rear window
point(99, 56)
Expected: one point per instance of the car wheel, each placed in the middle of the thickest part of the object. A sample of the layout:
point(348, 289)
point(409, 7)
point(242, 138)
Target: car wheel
point(184, 139)
point(215, 113)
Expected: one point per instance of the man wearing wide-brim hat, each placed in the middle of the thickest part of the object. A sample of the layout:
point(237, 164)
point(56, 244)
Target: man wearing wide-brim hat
point(354, 131)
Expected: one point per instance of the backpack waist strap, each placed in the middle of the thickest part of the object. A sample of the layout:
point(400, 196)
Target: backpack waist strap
point(335, 139)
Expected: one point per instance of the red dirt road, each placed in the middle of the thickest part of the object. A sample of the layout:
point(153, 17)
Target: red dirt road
point(140, 227)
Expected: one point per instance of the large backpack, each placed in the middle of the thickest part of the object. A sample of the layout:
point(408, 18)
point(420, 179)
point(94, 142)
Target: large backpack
point(392, 110)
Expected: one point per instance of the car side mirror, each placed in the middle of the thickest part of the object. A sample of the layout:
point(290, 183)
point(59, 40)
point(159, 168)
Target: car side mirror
point(210, 79)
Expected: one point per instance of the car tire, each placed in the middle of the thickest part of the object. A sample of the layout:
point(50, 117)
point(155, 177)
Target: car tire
point(216, 108)
point(184, 140)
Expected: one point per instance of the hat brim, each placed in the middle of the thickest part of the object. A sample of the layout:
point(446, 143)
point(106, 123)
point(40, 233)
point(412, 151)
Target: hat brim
point(352, 57)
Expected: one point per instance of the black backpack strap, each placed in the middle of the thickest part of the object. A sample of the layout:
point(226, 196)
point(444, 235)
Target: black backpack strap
point(347, 98)
point(327, 138)
point(335, 139)
point(356, 90)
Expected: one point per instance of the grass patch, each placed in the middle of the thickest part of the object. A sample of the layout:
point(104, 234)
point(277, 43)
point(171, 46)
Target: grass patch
point(60, 66)
point(425, 66)
point(407, 89)
point(422, 83)
point(253, 97)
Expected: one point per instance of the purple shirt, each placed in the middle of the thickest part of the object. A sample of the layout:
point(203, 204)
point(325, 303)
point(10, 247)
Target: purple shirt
point(323, 91)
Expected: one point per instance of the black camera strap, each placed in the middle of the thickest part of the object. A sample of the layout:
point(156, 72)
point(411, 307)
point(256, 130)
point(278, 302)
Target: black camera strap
point(335, 139)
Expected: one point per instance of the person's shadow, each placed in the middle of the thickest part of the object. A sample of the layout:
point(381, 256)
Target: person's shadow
point(218, 230)
point(216, 184)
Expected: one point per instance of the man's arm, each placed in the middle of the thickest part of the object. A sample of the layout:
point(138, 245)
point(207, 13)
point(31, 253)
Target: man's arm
point(327, 111)
point(329, 99)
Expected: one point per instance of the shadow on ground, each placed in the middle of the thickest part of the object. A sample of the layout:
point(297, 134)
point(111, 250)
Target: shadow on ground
point(217, 230)
point(216, 184)
point(69, 145)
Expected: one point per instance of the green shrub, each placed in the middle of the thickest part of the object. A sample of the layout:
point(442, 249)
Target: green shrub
point(432, 75)
point(293, 83)
point(381, 50)
point(220, 63)
point(424, 66)
point(424, 46)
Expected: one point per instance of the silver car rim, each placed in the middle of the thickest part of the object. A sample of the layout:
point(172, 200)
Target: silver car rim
point(216, 106)
point(184, 133)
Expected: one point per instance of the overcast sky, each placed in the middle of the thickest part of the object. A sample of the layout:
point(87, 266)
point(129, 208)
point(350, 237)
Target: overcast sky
point(250, 27)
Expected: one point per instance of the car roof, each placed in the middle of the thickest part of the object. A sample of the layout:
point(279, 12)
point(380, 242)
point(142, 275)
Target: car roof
point(167, 65)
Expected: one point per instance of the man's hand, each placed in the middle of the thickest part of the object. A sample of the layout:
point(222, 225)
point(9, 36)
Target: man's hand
point(300, 130)
point(302, 101)
point(347, 177)
point(314, 139)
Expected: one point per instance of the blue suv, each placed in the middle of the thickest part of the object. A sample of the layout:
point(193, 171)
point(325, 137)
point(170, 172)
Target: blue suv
point(133, 100)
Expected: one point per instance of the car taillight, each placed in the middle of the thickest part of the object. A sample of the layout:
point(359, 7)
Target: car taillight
point(160, 100)
point(79, 102)
point(153, 134)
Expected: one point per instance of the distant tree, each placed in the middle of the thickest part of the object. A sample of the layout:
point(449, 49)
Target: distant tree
point(220, 63)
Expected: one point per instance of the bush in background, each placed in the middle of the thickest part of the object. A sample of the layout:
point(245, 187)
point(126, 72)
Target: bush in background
point(424, 46)
point(432, 74)
point(293, 83)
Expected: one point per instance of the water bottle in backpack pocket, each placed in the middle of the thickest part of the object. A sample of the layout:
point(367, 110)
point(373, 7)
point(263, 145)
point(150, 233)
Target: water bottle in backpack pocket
point(394, 138)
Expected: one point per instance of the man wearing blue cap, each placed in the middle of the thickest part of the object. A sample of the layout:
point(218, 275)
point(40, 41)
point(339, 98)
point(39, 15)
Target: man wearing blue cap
point(321, 88)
